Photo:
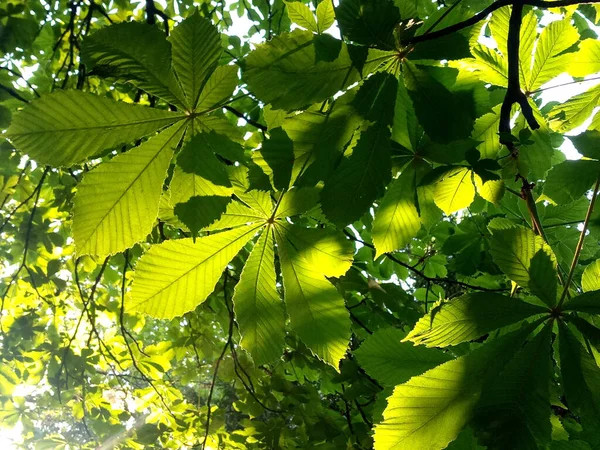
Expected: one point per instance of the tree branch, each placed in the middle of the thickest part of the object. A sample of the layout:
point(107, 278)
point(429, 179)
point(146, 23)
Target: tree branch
point(579, 244)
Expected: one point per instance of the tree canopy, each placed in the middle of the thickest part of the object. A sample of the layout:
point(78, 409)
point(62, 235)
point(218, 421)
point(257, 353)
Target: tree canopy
point(268, 224)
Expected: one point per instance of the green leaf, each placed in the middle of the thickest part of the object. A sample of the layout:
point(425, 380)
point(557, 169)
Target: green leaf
point(316, 309)
point(514, 410)
point(196, 52)
point(370, 23)
point(67, 127)
point(547, 64)
point(513, 250)
point(117, 203)
point(430, 410)
point(590, 281)
point(454, 190)
point(568, 181)
point(397, 219)
point(187, 185)
point(436, 106)
point(197, 158)
point(392, 362)
point(301, 15)
point(278, 153)
point(360, 179)
point(580, 377)
point(297, 201)
point(174, 277)
point(588, 302)
point(200, 211)
point(218, 88)
point(543, 277)
point(586, 61)
point(489, 65)
point(469, 317)
point(281, 68)
point(258, 308)
point(588, 144)
point(319, 137)
point(376, 99)
point(485, 131)
point(491, 190)
point(136, 53)
point(237, 214)
point(575, 111)
point(327, 251)
point(325, 15)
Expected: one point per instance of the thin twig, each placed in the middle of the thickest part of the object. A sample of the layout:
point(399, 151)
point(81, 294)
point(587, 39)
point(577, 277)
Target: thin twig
point(579, 244)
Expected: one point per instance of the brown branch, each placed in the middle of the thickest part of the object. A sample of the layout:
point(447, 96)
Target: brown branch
point(481, 15)
point(514, 94)
point(241, 115)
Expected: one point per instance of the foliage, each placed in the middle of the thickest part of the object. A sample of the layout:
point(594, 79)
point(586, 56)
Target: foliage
point(351, 226)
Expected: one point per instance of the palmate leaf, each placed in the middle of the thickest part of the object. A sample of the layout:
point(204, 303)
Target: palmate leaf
point(174, 277)
point(258, 307)
point(278, 70)
point(392, 362)
point(68, 127)
point(515, 250)
point(514, 409)
point(196, 51)
point(117, 203)
point(397, 219)
point(429, 411)
point(136, 53)
point(469, 317)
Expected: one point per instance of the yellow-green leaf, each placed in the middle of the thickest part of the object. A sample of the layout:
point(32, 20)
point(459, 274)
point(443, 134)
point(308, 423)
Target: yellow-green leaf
point(491, 190)
point(258, 308)
point(586, 61)
point(67, 127)
point(547, 64)
point(174, 277)
point(218, 88)
point(196, 51)
point(117, 203)
point(301, 15)
point(590, 281)
point(316, 309)
point(325, 15)
point(397, 219)
point(455, 190)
